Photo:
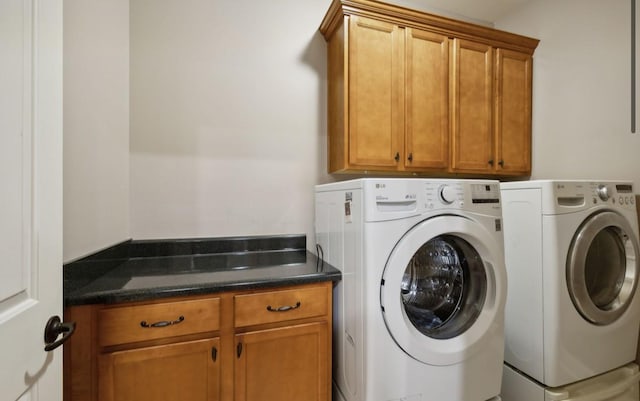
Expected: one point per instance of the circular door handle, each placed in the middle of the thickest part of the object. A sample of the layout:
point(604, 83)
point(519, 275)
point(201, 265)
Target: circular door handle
point(53, 329)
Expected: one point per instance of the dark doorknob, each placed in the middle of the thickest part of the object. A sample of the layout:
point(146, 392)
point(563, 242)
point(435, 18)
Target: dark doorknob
point(53, 329)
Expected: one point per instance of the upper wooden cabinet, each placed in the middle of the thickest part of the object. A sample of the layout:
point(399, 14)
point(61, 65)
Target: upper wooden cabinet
point(410, 92)
point(471, 107)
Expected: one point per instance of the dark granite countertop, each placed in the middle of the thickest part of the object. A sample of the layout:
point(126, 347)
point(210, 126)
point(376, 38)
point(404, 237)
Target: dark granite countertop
point(143, 270)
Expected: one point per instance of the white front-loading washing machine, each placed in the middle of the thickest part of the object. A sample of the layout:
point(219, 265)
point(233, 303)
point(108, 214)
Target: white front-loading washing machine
point(418, 315)
point(571, 250)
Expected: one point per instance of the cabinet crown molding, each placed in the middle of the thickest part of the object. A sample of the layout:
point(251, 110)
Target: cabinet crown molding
point(410, 18)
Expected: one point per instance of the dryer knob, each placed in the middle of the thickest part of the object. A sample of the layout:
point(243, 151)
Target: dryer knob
point(447, 194)
point(603, 192)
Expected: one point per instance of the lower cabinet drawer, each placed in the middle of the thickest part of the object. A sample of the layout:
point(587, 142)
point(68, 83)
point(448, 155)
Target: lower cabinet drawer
point(127, 324)
point(281, 305)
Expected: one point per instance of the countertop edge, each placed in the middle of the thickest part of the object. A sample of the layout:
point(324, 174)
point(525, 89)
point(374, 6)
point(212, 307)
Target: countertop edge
point(123, 296)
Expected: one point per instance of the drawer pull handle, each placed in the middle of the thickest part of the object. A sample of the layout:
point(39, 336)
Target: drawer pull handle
point(283, 308)
point(163, 323)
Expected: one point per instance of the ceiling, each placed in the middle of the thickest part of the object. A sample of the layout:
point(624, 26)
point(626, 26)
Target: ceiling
point(479, 11)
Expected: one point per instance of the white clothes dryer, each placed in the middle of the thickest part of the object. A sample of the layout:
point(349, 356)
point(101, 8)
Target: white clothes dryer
point(418, 315)
point(571, 250)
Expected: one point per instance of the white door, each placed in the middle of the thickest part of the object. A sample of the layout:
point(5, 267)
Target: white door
point(30, 196)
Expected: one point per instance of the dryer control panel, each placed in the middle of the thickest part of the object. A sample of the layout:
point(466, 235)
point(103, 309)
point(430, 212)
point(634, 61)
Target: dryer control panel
point(622, 194)
point(577, 195)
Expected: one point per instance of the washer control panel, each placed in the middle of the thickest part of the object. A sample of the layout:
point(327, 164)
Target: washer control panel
point(462, 194)
point(394, 198)
point(613, 193)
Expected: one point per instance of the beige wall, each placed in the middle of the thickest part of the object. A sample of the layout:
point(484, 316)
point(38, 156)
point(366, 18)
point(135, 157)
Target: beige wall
point(581, 90)
point(96, 125)
point(227, 116)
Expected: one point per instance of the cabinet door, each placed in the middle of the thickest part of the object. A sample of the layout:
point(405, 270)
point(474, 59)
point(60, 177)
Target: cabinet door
point(376, 93)
point(187, 371)
point(472, 133)
point(289, 363)
point(513, 112)
point(427, 100)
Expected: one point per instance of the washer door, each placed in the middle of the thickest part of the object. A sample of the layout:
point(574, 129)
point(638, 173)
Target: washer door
point(442, 289)
point(602, 267)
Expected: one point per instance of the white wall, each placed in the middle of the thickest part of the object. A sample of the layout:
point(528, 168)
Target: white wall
point(227, 116)
point(96, 125)
point(581, 88)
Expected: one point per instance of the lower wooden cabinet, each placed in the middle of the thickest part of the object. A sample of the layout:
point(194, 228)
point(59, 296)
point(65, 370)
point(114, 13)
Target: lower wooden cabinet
point(266, 345)
point(287, 363)
point(182, 371)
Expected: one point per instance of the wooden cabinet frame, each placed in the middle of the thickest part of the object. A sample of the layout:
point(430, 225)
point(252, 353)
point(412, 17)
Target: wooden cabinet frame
point(308, 328)
point(388, 113)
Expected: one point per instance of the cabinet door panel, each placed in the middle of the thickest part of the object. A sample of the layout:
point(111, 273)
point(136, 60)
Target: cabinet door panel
point(427, 100)
point(472, 107)
point(290, 363)
point(183, 371)
point(513, 112)
point(376, 90)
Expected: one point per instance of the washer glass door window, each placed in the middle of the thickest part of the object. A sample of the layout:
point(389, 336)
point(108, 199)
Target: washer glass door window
point(602, 267)
point(444, 287)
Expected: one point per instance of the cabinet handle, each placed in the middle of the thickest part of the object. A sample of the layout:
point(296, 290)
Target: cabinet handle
point(397, 158)
point(283, 308)
point(501, 163)
point(239, 349)
point(163, 323)
point(491, 162)
point(214, 353)
point(410, 157)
